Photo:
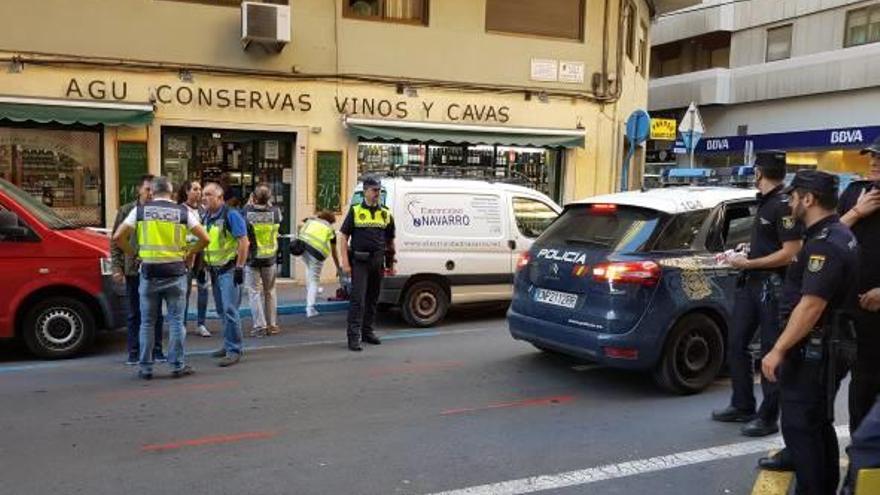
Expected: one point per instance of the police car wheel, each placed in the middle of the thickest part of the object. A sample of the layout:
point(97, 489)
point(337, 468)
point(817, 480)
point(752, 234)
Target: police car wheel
point(693, 355)
point(424, 304)
point(58, 327)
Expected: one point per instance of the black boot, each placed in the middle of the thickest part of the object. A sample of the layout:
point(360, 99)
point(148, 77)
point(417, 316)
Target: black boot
point(354, 344)
point(370, 338)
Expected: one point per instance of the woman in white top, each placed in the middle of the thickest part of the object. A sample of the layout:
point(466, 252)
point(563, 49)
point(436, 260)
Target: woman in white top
point(190, 194)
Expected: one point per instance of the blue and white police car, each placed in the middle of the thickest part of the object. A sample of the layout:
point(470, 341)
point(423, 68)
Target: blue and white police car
point(630, 280)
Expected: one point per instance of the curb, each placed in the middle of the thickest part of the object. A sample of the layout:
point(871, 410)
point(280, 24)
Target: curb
point(283, 309)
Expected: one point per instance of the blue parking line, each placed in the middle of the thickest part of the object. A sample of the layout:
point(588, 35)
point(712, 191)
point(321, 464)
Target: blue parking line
point(28, 367)
point(284, 309)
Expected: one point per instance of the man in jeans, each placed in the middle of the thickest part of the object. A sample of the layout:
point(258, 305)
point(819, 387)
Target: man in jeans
point(125, 270)
point(162, 226)
point(320, 241)
point(263, 221)
point(225, 258)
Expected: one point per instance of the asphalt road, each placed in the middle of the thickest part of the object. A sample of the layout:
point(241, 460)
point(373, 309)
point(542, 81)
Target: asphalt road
point(459, 408)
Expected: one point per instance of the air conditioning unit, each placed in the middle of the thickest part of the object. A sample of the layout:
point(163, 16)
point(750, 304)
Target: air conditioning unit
point(265, 24)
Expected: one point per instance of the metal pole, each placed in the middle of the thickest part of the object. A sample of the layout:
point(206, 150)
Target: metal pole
point(692, 144)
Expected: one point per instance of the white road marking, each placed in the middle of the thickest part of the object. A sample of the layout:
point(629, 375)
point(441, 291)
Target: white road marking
point(630, 468)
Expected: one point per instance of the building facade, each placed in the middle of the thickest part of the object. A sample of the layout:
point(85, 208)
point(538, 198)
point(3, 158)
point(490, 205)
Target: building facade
point(95, 93)
point(802, 76)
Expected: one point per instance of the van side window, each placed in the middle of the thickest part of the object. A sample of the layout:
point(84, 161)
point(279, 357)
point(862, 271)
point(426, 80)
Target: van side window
point(532, 216)
point(10, 219)
point(681, 230)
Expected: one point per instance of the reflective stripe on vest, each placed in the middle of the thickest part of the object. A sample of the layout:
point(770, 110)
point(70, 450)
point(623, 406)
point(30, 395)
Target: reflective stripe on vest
point(161, 232)
point(317, 233)
point(364, 218)
point(265, 227)
point(222, 247)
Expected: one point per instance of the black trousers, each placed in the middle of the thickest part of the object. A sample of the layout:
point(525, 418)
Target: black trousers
point(366, 280)
point(756, 306)
point(865, 385)
point(807, 427)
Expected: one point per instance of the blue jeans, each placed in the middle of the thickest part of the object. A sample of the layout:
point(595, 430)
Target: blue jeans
point(201, 299)
point(153, 291)
point(227, 299)
point(132, 288)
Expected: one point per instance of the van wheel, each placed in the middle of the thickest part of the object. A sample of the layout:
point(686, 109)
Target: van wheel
point(424, 304)
point(58, 327)
point(693, 355)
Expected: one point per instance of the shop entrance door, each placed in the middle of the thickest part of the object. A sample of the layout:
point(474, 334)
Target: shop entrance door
point(237, 160)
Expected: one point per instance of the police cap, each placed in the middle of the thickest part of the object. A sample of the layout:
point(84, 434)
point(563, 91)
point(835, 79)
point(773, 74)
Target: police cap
point(771, 162)
point(372, 181)
point(873, 147)
point(815, 181)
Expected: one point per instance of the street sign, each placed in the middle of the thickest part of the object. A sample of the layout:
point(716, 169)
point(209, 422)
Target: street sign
point(638, 127)
point(691, 129)
point(663, 129)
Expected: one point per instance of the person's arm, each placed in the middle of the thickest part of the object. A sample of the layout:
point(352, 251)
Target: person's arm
point(122, 239)
point(344, 234)
point(117, 255)
point(202, 242)
point(866, 204)
point(776, 259)
point(802, 320)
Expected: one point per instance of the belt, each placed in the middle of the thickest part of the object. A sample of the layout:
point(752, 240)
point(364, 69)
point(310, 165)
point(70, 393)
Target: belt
point(222, 269)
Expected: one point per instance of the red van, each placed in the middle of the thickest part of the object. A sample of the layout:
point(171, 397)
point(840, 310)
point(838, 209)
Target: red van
point(56, 288)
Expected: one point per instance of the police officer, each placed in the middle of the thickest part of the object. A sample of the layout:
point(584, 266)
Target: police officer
point(860, 209)
point(817, 284)
point(263, 222)
point(370, 228)
point(162, 226)
point(775, 240)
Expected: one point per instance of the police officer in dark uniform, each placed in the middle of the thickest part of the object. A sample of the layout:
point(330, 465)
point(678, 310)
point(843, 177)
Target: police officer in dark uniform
point(370, 227)
point(817, 284)
point(860, 209)
point(775, 240)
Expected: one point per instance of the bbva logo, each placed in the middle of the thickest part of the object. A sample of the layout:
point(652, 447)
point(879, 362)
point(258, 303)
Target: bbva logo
point(717, 144)
point(845, 137)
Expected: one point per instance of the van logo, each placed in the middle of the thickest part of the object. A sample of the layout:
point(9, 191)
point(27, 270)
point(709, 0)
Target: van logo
point(846, 137)
point(717, 144)
point(566, 256)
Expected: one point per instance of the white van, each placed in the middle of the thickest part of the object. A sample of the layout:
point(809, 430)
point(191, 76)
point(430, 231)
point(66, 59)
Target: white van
point(458, 241)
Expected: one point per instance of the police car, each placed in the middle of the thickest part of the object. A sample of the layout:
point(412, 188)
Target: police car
point(630, 280)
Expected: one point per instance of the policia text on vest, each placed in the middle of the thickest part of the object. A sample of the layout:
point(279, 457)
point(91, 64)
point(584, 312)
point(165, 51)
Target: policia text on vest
point(367, 241)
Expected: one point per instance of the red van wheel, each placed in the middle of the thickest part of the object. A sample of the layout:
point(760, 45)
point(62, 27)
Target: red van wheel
point(58, 327)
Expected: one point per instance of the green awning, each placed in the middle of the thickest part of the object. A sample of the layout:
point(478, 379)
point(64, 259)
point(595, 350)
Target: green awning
point(45, 110)
point(465, 134)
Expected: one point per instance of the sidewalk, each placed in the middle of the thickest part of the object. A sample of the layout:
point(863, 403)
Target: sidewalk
point(291, 300)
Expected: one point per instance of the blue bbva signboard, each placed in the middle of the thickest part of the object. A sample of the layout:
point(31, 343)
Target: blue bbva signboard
point(850, 137)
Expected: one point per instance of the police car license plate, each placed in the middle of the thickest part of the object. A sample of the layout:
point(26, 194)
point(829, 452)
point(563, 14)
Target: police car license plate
point(556, 298)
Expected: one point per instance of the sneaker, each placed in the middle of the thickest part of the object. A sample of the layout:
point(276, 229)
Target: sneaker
point(143, 375)
point(203, 331)
point(159, 357)
point(219, 353)
point(311, 312)
point(258, 333)
point(228, 360)
point(274, 330)
point(132, 360)
point(182, 372)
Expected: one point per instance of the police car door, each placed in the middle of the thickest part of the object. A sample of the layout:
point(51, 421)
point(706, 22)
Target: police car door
point(531, 216)
point(731, 227)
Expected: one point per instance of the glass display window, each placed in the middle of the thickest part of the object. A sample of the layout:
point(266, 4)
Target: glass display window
point(61, 167)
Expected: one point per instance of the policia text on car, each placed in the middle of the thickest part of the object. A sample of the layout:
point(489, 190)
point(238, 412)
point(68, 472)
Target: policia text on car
point(370, 228)
point(775, 240)
point(817, 285)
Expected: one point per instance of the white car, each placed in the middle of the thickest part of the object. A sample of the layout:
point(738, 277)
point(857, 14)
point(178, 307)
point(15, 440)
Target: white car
point(458, 241)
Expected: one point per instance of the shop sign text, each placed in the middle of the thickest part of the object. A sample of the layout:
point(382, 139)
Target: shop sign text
point(717, 144)
point(846, 137)
point(379, 107)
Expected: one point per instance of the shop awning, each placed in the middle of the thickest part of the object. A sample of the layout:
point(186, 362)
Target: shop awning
point(444, 133)
point(45, 110)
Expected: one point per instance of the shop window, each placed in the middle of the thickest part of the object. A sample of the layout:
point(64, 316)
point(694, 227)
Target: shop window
point(60, 168)
point(406, 11)
point(551, 18)
point(863, 26)
point(778, 43)
point(532, 216)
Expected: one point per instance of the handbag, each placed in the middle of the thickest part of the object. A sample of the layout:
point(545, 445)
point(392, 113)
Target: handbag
point(297, 247)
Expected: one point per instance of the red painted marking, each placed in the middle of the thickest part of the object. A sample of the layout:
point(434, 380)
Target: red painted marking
point(211, 440)
point(543, 401)
point(416, 368)
point(162, 391)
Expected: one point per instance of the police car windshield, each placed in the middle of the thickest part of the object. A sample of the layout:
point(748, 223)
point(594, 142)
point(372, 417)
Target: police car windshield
point(46, 215)
point(608, 227)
